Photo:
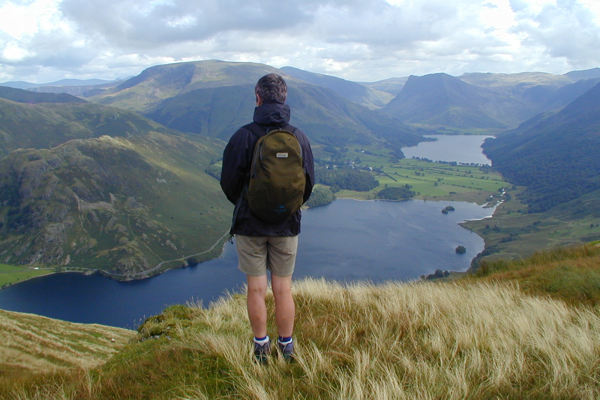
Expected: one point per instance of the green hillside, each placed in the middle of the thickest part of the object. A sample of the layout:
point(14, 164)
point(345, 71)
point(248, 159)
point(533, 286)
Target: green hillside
point(85, 187)
point(325, 116)
point(216, 112)
point(555, 156)
point(500, 334)
point(570, 274)
point(43, 126)
point(125, 206)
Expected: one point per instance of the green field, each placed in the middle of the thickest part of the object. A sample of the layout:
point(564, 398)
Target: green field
point(430, 180)
point(10, 274)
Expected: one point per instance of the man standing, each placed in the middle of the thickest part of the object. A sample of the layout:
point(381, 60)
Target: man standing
point(263, 246)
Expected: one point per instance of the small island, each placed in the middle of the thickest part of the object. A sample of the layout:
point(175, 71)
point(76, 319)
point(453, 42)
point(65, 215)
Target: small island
point(461, 250)
point(447, 209)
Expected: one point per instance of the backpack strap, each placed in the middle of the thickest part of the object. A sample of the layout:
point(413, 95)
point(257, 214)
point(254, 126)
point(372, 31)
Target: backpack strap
point(256, 129)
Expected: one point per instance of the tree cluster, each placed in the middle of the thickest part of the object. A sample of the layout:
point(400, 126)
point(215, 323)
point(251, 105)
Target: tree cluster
point(320, 197)
point(359, 181)
point(396, 193)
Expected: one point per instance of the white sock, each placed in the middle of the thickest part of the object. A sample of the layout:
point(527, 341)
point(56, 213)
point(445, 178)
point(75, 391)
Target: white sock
point(262, 341)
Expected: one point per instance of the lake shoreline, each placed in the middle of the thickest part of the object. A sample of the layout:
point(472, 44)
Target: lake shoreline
point(451, 198)
point(9, 284)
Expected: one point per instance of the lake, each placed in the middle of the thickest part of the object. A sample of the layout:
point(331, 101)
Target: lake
point(347, 240)
point(464, 148)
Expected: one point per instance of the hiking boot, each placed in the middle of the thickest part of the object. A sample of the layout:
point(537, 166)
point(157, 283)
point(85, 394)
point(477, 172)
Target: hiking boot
point(262, 352)
point(286, 350)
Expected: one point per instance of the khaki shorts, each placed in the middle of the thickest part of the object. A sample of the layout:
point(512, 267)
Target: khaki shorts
point(257, 254)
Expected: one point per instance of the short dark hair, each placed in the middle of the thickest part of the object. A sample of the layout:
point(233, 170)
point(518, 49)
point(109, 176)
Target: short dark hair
point(271, 88)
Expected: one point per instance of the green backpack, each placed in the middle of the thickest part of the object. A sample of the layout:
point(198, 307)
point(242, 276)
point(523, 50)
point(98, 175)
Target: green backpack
point(277, 179)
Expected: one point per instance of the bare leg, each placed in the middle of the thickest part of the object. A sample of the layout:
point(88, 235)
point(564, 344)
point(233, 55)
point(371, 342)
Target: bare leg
point(285, 309)
point(257, 309)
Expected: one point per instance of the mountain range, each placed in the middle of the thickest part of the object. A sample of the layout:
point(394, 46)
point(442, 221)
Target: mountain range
point(469, 103)
point(120, 177)
point(214, 98)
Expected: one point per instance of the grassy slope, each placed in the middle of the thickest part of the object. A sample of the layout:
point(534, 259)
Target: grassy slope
point(32, 345)
point(214, 98)
point(571, 274)
point(47, 125)
point(479, 338)
point(89, 186)
point(143, 92)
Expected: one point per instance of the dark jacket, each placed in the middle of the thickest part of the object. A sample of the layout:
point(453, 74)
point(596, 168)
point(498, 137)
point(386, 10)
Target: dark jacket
point(237, 158)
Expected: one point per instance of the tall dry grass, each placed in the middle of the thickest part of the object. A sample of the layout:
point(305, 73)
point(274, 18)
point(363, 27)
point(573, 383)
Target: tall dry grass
point(393, 341)
point(413, 341)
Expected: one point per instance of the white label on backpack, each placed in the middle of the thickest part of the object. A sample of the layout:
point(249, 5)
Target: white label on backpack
point(282, 155)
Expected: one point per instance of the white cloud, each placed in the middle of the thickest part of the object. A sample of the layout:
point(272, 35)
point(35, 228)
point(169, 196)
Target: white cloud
point(562, 30)
point(42, 40)
point(12, 52)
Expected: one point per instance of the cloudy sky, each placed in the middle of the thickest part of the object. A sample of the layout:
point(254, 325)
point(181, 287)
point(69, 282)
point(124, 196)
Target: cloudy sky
point(362, 40)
